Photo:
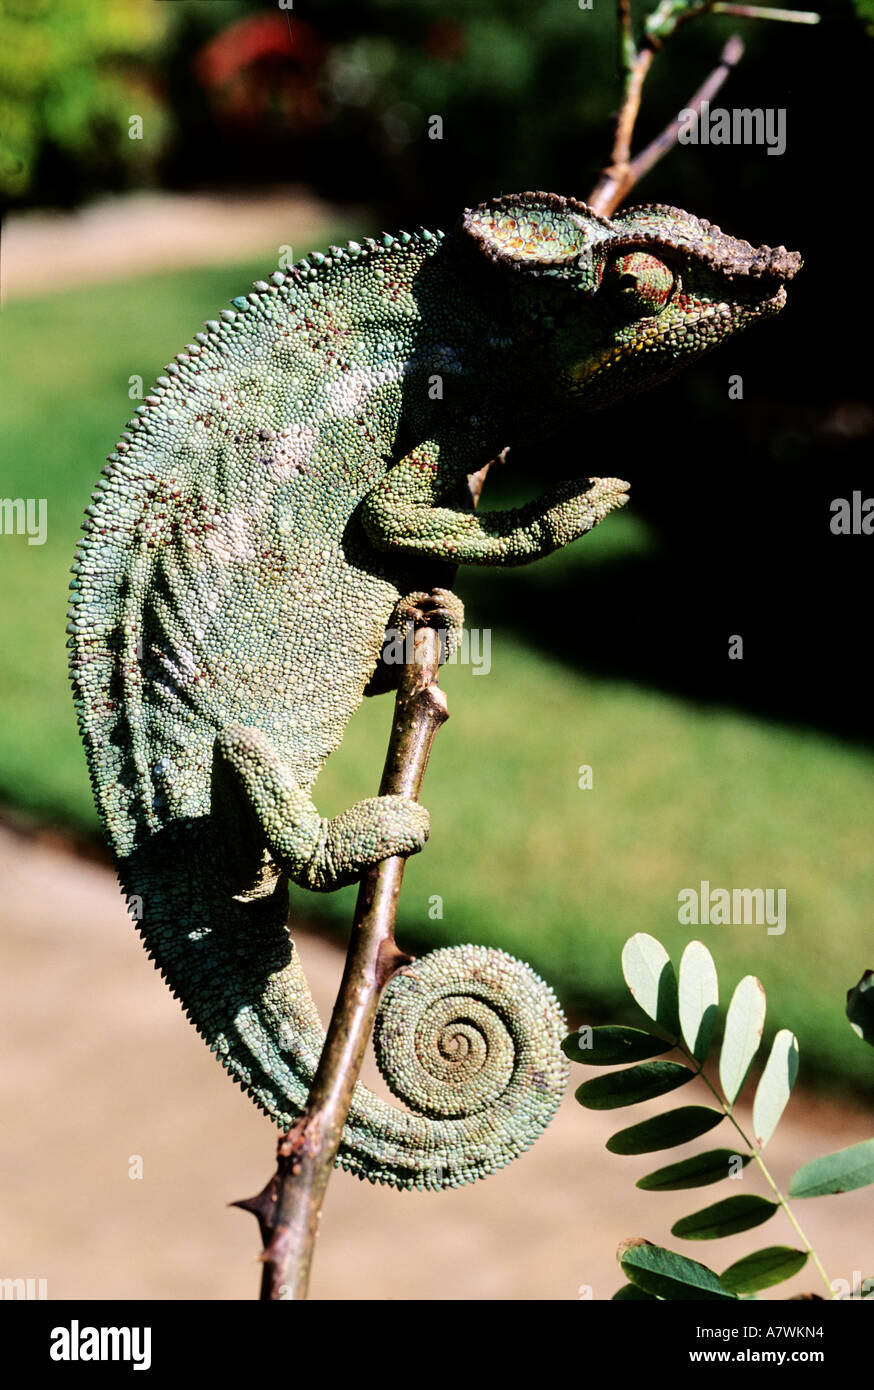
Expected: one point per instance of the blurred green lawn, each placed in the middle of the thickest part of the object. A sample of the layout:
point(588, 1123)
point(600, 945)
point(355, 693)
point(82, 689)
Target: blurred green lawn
point(520, 857)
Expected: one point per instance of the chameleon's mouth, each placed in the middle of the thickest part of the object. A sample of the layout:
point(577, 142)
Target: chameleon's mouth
point(777, 300)
point(669, 335)
point(757, 304)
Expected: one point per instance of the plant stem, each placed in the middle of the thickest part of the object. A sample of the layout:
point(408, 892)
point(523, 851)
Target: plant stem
point(756, 1154)
point(642, 163)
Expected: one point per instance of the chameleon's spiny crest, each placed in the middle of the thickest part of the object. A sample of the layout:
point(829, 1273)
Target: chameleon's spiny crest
point(279, 500)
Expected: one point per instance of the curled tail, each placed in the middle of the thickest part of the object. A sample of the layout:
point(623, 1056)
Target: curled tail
point(471, 1042)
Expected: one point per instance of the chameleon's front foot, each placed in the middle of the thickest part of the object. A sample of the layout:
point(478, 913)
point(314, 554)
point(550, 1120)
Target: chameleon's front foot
point(400, 514)
point(436, 608)
point(572, 509)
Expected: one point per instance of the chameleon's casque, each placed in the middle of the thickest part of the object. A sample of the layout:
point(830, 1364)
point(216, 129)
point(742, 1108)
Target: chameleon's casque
point(284, 494)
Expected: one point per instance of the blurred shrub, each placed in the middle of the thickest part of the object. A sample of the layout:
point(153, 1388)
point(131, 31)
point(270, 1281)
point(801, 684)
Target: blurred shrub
point(243, 92)
point(345, 101)
point(72, 75)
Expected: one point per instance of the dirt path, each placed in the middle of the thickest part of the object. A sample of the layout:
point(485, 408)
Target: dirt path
point(137, 234)
point(100, 1066)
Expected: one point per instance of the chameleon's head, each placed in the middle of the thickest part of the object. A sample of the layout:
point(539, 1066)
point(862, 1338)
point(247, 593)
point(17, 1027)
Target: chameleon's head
point(620, 305)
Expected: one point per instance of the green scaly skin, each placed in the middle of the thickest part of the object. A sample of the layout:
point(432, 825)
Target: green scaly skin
point(289, 490)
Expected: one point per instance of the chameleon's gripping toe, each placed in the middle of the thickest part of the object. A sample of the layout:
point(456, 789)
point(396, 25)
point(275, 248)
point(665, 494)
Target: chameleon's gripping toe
point(470, 1040)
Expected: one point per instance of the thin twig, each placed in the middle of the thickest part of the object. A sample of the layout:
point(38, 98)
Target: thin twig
point(627, 47)
point(659, 147)
point(763, 12)
point(623, 172)
point(289, 1208)
point(476, 481)
point(613, 183)
point(667, 18)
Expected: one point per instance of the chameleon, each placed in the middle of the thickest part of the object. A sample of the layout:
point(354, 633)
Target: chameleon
point(289, 492)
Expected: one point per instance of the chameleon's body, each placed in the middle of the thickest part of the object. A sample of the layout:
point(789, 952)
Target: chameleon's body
point(286, 493)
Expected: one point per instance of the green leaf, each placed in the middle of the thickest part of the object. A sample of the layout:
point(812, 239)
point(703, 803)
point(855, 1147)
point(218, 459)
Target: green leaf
point(612, 1045)
point(698, 998)
point(860, 1007)
point(666, 1274)
point(725, 1218)
point(630, 1293)
point(842, 1171)
point(743, 1033)
point(650, 977)
point(775, 1085)
point(763, 1269)
point(632, 1085)
point(697, 1171)
point(665, 1131)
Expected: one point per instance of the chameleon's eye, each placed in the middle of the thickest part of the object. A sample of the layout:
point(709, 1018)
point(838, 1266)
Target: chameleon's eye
point(637, 284)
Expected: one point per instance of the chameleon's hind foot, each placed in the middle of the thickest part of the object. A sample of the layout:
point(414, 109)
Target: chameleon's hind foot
point(258, 804)
point(371, 830)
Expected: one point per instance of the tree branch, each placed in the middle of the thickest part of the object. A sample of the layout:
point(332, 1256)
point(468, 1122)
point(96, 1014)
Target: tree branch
point(622, 173)
point(659, 147)
point(289, 1208)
